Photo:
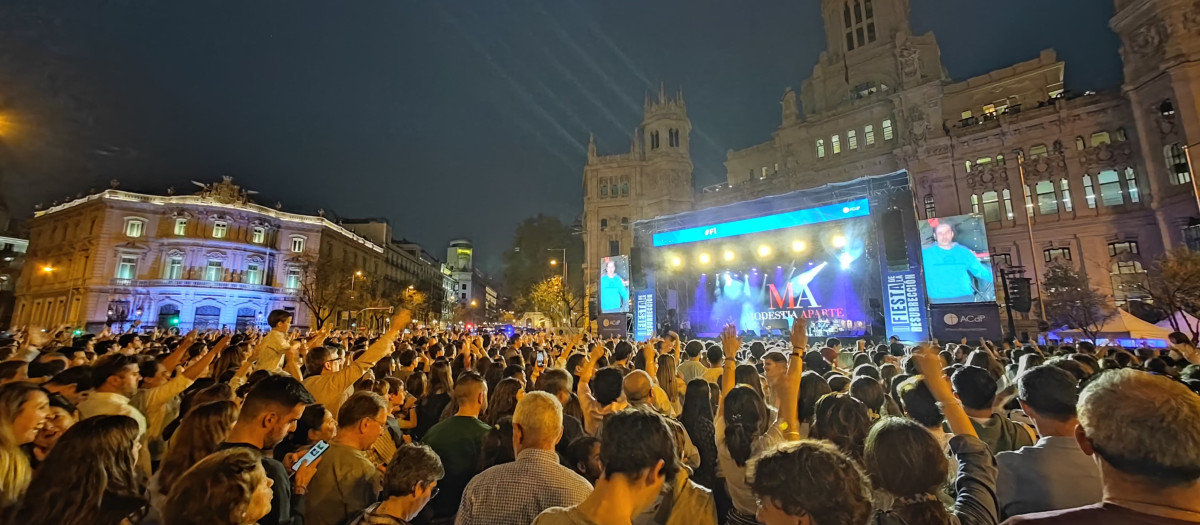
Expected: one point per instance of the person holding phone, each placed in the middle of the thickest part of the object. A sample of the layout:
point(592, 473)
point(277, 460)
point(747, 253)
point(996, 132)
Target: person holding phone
point(347, 481)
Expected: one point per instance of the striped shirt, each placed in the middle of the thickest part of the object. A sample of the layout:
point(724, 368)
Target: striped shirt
point(518, 491)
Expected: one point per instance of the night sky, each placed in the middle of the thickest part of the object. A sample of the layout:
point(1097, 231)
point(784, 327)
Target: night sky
point(451, 118)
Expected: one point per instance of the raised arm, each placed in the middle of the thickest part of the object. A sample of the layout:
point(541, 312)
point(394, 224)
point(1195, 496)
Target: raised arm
point(588, 369)
point(179, 351)
point(648, 354)
point(789, 416)
point(198, 368)
point(730, 344)
point(929, 364)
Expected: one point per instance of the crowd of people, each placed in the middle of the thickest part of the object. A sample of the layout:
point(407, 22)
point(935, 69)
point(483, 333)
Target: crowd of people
point(447, 427)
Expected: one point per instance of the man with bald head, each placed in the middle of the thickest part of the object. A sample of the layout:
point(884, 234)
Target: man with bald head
point(516, 492)
point(950, 267)
point(639, 392)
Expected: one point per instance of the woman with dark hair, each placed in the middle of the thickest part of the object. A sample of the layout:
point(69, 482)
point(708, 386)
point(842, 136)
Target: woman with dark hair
point(316, 423)
point(744, 426)
point(199, 434)
point(748, 375)
point(437, 397)
point(415, 384)
point(812, 387)
point(90, 477)
point(497, 445)
point(904, 460)
point(697, 419)
point(870, 392)
point(24, 408)
point(503, 400)
point(235, 488)
point(583, 457)
point(843, 421)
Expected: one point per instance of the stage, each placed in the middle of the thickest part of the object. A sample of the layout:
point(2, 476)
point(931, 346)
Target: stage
point(846, 257)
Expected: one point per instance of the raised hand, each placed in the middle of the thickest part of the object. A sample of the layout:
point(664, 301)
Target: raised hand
point(799, 335)
point(730, 342)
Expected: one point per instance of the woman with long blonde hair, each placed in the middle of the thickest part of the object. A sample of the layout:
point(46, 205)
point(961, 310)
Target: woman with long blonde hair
point(24, 408)
point(202, 430)
point(89, 478)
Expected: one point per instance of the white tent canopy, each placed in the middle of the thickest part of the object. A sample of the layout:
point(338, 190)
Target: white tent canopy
point(1185, 321)
point(1124, 325)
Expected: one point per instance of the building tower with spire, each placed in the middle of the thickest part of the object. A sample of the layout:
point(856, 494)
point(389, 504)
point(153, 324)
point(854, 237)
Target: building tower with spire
point(654, 178)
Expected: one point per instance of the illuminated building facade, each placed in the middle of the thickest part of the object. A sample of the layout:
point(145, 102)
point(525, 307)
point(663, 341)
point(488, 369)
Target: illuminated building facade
point(1100, 181)
point(210, 260)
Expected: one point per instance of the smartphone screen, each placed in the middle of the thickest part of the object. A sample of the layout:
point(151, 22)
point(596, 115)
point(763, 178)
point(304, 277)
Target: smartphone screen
point(310, 456)
point(541, 359)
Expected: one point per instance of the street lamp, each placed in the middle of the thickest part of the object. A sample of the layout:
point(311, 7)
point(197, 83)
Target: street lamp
point(474, 303)
point(554, 262)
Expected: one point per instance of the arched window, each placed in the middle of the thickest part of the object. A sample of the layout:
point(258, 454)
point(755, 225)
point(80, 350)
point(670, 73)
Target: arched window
point(603, 189)
point(1089, 192)
point(1110, 188)
point(207, 318)
point(1177, 166)
point(991, 206)
point(968, 163)
point(1007, 197)
point(1046, 199)
point(930, 207)
point(852, 139)
point(820, 148)
point(614, 189)
point(837, 144)
point(869, 134)
point(975, 203)
point(624, 189)
point(1119, 135)
point(654, 139)
point(887, 130)
point(1131, 183)
point(1065, 188)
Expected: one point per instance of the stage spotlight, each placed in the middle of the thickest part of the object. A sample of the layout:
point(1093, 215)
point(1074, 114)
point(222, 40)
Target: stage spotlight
point(764, 250)
point(797, 246)
point(704, 258)
point(845, 259)
point(729, 255)
point(839, 241)
point(676, 262)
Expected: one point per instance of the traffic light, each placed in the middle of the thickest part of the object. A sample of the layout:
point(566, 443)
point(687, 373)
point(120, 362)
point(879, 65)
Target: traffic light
point(1019, 295)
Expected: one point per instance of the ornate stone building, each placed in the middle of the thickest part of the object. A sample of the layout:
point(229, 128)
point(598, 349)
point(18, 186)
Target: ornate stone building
point(207, 260)
point(1098, 180)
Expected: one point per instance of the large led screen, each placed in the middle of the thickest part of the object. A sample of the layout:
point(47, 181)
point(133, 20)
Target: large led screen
point(955, 258)
point(614, 285)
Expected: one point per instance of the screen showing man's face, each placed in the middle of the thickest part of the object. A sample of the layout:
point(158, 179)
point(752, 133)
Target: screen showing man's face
point(944, 235)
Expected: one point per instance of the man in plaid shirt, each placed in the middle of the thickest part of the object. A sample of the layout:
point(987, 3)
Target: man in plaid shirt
point(517, 492)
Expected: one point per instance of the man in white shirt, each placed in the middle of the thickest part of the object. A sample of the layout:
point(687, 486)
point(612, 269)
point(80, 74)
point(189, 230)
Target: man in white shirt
point(116, 378)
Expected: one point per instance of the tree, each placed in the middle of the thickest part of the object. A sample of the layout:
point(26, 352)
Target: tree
point(536, 241)
point(327, 286)
point(1174, 286)
point(1072, 302)
point(558, 303)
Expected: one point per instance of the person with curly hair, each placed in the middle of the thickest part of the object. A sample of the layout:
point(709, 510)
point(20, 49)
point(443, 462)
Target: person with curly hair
point(809, 479)
point(236, 489)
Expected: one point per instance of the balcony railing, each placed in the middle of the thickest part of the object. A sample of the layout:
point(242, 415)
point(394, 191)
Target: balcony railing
point(196, 283)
